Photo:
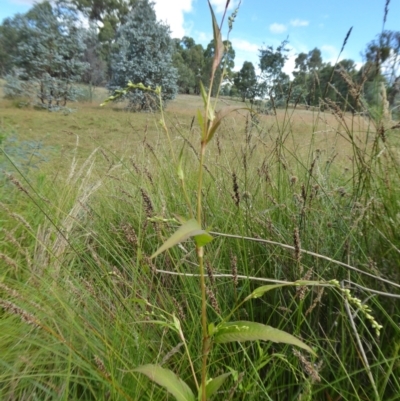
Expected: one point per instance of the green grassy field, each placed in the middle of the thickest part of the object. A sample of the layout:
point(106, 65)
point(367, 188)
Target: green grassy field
point(87, 197)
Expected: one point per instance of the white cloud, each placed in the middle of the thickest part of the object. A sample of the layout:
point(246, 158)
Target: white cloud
point(245, 51)
point(329, 53)
point(219, 5)
point(359, 64)
point(290, 64)
point(277, 28)
point(241, 57)
point(173, 15)
point(24, 2)
point(293, 52)
point(245, 45)
point(203, 37)
point(298, 22)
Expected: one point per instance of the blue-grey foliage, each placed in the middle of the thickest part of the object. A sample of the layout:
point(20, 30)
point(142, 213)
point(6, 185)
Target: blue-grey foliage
point(143, 54)
point(48, 60)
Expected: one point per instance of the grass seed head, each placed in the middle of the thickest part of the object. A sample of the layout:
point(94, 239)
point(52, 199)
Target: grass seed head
point(179, 308)
point(297, 246)
point(171, 353)
point(307, 366)
point(100, 365)
point(135, 167)
point(130, 233)
point(16, 310)
point(10, 262)
point(236, 194)
point(148, 206)
point(317, 300)
point(16, 183)
point(213, 300)
point(234, 269)
point(210, 274)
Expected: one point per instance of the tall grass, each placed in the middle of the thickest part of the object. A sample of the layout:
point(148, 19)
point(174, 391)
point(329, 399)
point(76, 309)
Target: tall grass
point(83, 304)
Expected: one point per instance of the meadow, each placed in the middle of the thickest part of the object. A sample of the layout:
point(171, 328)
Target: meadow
point(87, 197)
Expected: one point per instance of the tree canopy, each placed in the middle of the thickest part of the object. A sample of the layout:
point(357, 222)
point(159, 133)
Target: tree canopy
point(45, 51)
point(143, 54)
point(48, 57)
point(246, 81)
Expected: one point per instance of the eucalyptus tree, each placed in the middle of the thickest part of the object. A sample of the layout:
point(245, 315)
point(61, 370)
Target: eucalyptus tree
point(96, 74)
point(10, 32)
point(246, 81)
point(272, 61)
point(107, 16)
point(308, 67)
point(48, 57)
point(110, 14)
point(189, 60)
point(143, 54)
point(384, 53)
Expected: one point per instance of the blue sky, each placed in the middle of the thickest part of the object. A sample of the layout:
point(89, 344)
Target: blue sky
point(307, 23)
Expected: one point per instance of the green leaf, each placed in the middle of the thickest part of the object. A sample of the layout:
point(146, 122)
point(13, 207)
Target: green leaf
point(265, 288)
point(200, 119)
point(260, 291)
point(250, 331)
point(211, 114)
point(180, 172)
point(219, 117)
point(211, 329)
point(214, 385)
point(190, 228)
point(203, 93)
point(203, 239)
point(219, 44)
point(169, 380)
point(139, 301)
point(178, 327)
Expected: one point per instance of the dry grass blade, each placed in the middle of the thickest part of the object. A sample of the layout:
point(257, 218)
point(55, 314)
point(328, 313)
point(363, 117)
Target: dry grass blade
point(219, 45)
point(317, 255)
point(270, 280)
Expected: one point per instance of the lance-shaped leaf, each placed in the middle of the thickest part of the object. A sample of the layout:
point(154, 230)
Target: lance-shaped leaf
point(180, 172)
point(169, 380)
point(203, 93)
point(260, 291)
point(190, 228)
point(214, 385)
point(200, 119)
point(210, 109)
point(220, 115)
point(219, 44)
point(242, 331)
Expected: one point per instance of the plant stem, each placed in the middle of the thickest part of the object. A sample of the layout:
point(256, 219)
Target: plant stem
point(200, 186)
point(200, 249)
point(206, 339)
point(200, 256)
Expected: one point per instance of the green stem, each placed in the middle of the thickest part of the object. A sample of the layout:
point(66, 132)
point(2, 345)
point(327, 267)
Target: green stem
point(200, 256)
point(206, 338)
point(200, 250)
point(200, 186)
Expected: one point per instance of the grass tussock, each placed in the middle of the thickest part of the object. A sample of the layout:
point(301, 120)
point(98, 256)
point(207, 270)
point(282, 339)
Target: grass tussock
point(298, 196)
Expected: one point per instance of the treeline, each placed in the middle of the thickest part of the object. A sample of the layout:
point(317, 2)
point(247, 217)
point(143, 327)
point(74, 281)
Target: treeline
point(44, 52)
point(375, 85)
